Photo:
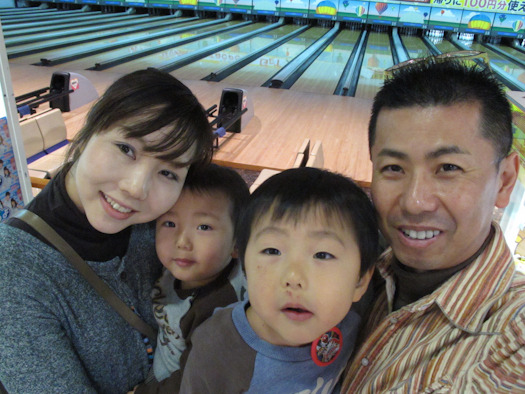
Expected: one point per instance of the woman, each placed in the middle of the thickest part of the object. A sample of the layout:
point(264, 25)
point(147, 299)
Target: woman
point(126, 167)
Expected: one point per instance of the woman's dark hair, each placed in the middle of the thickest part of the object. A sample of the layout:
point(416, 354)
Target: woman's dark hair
point(146, 101)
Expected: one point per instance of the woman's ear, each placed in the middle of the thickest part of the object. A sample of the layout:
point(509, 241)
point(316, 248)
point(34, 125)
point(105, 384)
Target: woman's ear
point(235, 252)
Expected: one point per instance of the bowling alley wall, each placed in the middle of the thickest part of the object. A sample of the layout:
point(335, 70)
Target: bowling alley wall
point(504, 18)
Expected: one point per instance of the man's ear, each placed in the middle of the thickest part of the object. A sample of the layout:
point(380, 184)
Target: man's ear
point(235, 252)
point(362, 285)
point(508, 174)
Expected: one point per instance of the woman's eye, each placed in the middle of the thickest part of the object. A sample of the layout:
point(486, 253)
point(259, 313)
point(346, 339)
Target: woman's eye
point(324, 256)
point(168, 224)
point(271, 251)
point(204, 227)
point(169, 174)
point(126, 149)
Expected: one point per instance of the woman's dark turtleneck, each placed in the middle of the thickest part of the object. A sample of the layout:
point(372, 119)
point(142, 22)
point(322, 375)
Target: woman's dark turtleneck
point(54, 205)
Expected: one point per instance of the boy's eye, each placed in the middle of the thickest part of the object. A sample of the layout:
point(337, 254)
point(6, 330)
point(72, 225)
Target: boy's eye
point(169, 174)
point(168, 224)
point(324, 256)
point(271, 251)
point(204, 227)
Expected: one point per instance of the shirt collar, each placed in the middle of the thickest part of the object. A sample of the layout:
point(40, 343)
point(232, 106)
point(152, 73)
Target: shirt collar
point(466, 297)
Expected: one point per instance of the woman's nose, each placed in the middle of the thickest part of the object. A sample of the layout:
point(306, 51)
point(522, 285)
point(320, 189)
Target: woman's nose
point(137, 182)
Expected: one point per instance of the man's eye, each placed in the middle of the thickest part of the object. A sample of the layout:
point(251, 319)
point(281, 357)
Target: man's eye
point(271, 251)
point(324, 256)
point(450, 167)
point(392, 168)
point(204, 227)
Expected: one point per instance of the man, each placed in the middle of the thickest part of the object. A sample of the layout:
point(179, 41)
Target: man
point(449, 312)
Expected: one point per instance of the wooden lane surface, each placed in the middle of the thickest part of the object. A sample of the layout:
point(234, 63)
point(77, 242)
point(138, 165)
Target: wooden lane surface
point(324, 73)
point(282, 120)
point(378, 57)
point(415, 47)
point(168, 56)
point(218, 60)
point(260, 70)
point(446, 46)
point(96, 42)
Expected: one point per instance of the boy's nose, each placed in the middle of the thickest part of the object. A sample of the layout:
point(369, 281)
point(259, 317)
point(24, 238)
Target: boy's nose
point(293, 277)
point(183, 242)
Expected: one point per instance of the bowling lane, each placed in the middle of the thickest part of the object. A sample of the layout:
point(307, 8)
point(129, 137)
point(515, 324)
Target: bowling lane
point(445, 46)
point(263, 68)
point(66, 40)
point(513, 52)
point(324, 73)
point(24, 11)
point(415, 47)
point(124, 21)
point(71, 50)
point(160, 59)
point(377, 58)
point(220, 59)
point(496, 59)
point(36, 17)
point(84, 21)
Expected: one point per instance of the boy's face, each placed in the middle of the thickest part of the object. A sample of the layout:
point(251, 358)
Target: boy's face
point(302, 278)
point(194, 238)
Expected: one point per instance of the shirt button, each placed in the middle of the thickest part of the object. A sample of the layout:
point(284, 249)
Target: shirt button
point(123, 275)
point(364, 362)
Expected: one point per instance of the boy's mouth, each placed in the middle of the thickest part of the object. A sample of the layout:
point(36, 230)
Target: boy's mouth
point(297, 313)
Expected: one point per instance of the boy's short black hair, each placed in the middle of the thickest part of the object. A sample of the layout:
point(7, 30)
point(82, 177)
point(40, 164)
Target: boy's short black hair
point(293, 193)
point(213, 178)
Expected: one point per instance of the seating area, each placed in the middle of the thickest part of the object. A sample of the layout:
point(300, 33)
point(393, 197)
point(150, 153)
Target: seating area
point(44, 135)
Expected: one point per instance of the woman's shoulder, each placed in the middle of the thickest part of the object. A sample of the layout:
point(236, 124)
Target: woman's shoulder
point(17, 241)
point(142, 233)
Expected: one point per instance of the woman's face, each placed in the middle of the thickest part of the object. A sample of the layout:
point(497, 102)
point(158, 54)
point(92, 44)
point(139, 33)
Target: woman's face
point(117, 184)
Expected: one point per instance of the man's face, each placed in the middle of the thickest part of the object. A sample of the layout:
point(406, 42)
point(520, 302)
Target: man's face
point(435, 183)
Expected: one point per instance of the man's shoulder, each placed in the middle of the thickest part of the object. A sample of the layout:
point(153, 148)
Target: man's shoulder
point(516, 289)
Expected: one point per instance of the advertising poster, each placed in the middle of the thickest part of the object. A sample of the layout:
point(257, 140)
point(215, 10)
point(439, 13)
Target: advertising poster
point(323, 9)
point(414, 15)
point(10, 192)
point(15, 188)
point(353, 10)
point(445, 19)
point(476, 22)
point(383, 13)
point(509, 25)
point(266, 7)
